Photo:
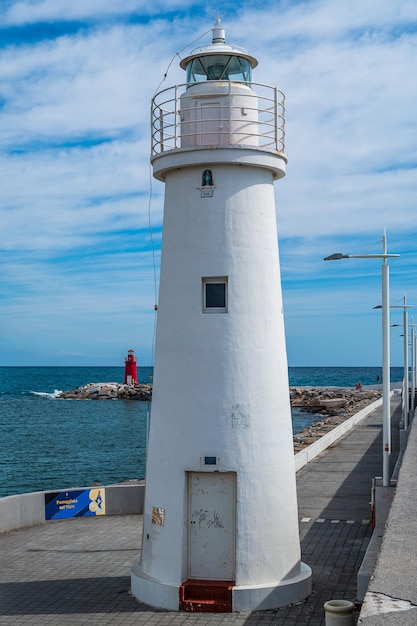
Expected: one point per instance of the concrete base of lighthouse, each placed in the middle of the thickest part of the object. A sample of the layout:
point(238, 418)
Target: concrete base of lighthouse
point(275, 594)
point(271, 595)
point(153, 592)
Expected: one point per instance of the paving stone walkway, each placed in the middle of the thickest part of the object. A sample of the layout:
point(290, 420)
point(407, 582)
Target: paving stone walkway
point(77, 571)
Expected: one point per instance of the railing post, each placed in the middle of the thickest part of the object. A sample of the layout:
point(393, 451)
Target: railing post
point(229, 121)
point(161, 129)
point(276, 117)
point(177, 120)
point(152, 127)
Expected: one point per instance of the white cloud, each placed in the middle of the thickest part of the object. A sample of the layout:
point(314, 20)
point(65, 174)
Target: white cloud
point(93, 84)
point(49, 10)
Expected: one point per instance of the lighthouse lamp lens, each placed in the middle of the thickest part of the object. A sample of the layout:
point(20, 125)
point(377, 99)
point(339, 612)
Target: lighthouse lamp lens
point(218, 67)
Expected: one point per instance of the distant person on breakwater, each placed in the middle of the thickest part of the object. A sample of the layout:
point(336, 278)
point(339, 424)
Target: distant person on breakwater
point(358, 386)
point(377, 379)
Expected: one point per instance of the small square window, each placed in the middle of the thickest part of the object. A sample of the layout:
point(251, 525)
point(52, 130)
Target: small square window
point(215, 295)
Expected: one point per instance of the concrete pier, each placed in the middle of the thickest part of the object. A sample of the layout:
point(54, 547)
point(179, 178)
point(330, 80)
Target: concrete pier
point(77, 571)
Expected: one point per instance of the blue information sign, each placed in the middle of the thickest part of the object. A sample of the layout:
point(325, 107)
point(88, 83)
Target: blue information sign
point(75, 503)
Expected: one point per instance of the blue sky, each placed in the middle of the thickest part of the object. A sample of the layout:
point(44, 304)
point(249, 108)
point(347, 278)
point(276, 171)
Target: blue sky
point(76, 80)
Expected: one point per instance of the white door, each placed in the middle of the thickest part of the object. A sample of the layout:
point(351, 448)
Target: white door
point(213, 125)
point(211, 525)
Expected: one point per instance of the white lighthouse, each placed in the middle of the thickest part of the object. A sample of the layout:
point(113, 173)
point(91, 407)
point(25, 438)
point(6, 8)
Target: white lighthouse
point(220, 521)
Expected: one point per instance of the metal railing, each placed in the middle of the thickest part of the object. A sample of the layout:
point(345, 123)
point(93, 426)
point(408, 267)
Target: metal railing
point(250, 116)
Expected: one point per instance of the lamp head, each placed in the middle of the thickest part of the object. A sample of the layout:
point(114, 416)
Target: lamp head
point(335, 257)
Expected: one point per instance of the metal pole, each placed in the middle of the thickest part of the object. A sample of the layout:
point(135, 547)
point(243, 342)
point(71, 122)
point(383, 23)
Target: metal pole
point(386, 382)
point(414, 362)
point(161, 130)
point(406, 385)
point(413, 388)
point(386, 413)
point(229, 115)
point(412, 369)
point(276, 117)
point(177, 121)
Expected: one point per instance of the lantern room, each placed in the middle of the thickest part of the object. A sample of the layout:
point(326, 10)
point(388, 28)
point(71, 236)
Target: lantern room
point(218, 106)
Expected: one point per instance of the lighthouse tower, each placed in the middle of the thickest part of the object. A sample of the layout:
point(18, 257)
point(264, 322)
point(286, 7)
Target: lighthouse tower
point(131, 375)
point(220, 519)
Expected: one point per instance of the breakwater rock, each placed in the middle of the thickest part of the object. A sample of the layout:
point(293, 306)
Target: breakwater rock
point(332, 400)
point(108, 391)
point(322, 400)
point(333, 406)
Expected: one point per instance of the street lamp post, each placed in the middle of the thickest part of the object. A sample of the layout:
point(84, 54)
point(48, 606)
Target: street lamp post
point(413, 367)
point(386, 412)
point(406, 386)
point(406, 379)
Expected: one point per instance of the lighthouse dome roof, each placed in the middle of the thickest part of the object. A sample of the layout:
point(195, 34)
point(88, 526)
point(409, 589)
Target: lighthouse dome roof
point(218, 61)
point(218, 48)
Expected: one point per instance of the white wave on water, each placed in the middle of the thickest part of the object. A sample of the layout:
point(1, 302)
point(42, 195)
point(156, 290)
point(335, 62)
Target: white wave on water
point(44, 394)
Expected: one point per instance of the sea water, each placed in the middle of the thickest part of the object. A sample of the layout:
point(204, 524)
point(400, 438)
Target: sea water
point(52, 444)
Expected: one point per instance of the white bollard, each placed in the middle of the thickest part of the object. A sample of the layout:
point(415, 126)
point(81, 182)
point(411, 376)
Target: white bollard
point(339, 613)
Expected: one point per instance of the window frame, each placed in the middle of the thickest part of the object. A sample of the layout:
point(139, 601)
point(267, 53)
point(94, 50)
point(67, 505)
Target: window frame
point(210, 280)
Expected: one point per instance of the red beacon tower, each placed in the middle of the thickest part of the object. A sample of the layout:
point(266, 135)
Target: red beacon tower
point(131, 376)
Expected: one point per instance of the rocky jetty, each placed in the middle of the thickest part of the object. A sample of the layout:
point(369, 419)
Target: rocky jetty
point(332, 400)
point(108, 391)
point(333, 406)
